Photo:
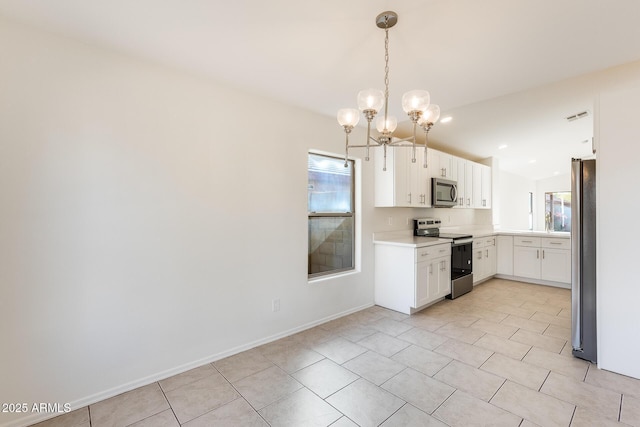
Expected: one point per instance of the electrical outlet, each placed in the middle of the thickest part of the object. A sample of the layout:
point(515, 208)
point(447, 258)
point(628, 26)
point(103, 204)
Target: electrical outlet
point(275, 305)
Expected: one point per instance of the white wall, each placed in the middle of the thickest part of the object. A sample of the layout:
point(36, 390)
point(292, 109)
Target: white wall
point(548, 185)
point(147, 220)
point(618, 233)
point(514, 203)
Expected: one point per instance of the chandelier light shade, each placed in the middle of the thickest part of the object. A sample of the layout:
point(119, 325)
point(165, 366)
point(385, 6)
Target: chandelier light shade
point(430, 116)
point(386, 126)
point(370, 100)
point(416, 103)
point(348, 117)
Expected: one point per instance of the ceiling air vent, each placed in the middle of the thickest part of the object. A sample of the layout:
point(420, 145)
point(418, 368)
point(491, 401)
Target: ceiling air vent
point(577, 116)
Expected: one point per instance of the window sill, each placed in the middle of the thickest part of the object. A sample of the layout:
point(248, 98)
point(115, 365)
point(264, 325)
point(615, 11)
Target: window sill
point(332, 276)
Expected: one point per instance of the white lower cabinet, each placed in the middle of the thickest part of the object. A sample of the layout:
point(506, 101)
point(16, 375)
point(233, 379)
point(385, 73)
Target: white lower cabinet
point(542, 258)
point(504, 250)
point(556, 260)
point(484, 258)
point(407, 278)
point(433, 280)
point(526, 261)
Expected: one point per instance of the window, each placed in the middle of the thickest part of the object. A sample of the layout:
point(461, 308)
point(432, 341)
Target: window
point(331, 209)
point(557, 215)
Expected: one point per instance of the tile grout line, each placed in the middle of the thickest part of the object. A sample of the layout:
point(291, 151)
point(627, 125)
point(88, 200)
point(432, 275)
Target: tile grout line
point(395, 412)
point(169, 403)
point(575, 409)
point(240, 394)
point(443, 402)
point(620, 409)
point(545, 380)
point(243, 398)
point(586, 373)
point(496, 392)
point(506, 410)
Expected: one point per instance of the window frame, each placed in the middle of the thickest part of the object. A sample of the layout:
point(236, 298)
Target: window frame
point(549, 197)
point(354, 214)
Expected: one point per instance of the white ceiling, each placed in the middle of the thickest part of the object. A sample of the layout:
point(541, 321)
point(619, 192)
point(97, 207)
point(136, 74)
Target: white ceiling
point(318, 55)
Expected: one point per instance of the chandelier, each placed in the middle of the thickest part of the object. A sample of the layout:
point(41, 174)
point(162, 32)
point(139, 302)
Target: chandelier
point(370, 101)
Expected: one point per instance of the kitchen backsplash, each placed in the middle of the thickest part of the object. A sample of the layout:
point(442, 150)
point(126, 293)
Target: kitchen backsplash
point(391, 219)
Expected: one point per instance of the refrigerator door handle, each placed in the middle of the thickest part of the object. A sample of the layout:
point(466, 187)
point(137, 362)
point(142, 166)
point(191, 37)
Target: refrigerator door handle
point(576, 315)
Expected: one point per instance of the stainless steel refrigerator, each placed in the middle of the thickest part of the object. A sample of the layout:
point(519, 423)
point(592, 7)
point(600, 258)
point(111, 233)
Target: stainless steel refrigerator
point(583, 259)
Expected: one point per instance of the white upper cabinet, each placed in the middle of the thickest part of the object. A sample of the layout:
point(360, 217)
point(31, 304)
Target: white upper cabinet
point(460, 177)
point(404, 183)
point(419, 180)
point(391, 185)
point(408, 184)
point(442, 165)
point(477, 185)
point(485, 187)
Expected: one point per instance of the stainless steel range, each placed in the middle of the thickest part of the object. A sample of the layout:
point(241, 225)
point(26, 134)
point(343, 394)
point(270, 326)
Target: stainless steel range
point(461, 254)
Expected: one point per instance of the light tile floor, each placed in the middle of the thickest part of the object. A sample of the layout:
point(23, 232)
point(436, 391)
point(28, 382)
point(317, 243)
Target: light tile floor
point(497, 356)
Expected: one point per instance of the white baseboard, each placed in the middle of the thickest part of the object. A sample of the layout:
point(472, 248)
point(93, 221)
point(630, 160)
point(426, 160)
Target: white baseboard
point(534, 281)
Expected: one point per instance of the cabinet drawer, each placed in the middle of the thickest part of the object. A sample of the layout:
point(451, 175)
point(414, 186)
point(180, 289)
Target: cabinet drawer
point(489, 241)
point(430, 252)
point(556, 243)
point(526, 241)
point(484, 242)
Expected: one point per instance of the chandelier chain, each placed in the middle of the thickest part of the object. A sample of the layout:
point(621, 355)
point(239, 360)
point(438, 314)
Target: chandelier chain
point(386, 73)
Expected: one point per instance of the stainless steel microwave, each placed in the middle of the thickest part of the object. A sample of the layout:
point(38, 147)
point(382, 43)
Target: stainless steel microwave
point(444, 193)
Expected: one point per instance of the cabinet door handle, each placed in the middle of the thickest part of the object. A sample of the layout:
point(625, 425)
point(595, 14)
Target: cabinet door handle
point(487, 253)
point(527, 241)
point(538, 254)
point(543, 254)
point(409, 198)
point(468, 202)
point(556, 243)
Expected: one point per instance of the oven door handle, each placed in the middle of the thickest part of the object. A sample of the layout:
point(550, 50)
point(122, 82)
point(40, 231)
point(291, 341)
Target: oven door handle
point(462, 242)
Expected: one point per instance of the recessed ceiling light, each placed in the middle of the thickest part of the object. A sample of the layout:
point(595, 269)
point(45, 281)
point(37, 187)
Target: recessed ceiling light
point(532, 161)
point(502, 147)
point(556, 173)
point(446, 119)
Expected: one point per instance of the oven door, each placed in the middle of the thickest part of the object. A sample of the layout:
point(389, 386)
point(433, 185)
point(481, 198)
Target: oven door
point(461, 260)
point(444, 193)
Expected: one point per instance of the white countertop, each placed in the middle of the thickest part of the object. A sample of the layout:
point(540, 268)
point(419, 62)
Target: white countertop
point(406, 237)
